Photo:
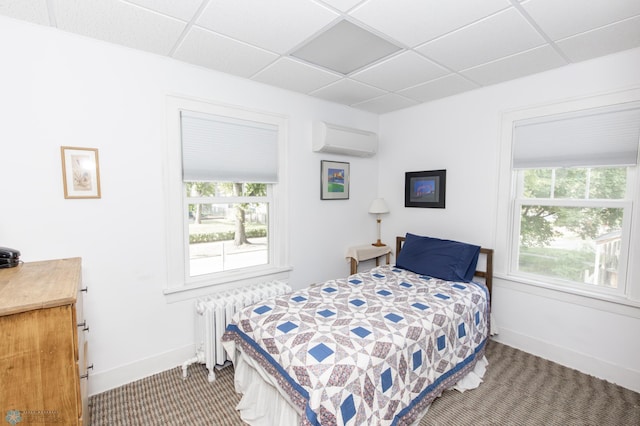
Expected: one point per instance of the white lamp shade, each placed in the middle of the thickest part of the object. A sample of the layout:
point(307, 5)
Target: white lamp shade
point(378, 206)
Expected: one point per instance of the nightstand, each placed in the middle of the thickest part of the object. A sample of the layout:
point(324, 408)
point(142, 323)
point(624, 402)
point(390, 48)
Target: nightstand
point(366, 252)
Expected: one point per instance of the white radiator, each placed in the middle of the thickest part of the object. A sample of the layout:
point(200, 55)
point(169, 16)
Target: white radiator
point(213, 314)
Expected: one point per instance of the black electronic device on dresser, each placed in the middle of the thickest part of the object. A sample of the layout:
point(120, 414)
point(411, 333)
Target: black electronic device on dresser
point(9, 257)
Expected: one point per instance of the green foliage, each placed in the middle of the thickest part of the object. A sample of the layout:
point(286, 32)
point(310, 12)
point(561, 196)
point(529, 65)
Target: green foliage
point(608, 183)
point(225, 189)
point(537, 183)
point(541, 224)
point(225, 236)
point(564, 264)
point(536, 226)
point(255, 189)
point(200, 189)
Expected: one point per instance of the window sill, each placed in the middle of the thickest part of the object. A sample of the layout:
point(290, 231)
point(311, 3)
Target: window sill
point(227, 282)
point(603, 302)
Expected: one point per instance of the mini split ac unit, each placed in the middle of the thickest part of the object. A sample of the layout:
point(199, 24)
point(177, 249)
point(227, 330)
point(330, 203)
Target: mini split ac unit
point(336, 139)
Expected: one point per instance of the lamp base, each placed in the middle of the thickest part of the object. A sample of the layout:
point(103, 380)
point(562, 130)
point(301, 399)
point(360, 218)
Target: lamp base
point(378, 244)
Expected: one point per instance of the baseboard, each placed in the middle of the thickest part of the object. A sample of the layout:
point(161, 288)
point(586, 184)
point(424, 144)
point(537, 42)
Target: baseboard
point(105, 380)
point(584, 363)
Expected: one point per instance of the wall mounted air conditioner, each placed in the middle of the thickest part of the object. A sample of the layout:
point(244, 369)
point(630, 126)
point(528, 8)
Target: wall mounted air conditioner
point(336, 139)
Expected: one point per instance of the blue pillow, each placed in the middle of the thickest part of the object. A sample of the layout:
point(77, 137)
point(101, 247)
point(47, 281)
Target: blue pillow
point(444, 259)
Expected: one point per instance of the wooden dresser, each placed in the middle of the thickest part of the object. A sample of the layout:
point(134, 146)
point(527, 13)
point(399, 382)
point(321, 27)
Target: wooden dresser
point(42, 344)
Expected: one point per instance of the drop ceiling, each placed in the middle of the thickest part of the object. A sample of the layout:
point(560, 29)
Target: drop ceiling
point(420, 50)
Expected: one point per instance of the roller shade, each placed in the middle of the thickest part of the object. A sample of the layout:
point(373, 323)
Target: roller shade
point(224, 149)
point(607, 136)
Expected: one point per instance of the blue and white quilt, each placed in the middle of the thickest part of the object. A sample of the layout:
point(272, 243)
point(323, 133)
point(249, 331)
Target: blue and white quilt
point(374, 348)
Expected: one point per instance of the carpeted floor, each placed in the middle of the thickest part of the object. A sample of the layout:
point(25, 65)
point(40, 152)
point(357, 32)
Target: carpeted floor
point(519, 389)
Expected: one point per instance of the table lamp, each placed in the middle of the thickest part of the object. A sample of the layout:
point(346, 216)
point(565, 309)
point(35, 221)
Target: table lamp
point(378, 207)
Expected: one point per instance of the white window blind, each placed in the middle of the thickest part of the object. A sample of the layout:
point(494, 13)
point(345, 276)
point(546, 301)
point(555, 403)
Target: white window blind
point(607, 136)
point(224, 149)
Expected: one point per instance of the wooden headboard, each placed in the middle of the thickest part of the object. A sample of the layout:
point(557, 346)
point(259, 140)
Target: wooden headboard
point(487, 274)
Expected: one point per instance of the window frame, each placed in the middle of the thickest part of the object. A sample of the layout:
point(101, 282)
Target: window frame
point(508, 213)
point(624, 204)
point(179, 286)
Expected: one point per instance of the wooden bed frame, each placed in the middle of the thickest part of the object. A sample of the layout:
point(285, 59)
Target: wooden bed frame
point(487, 274)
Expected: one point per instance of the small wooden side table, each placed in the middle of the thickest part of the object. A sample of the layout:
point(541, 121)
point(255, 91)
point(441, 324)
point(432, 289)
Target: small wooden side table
point(366, 252)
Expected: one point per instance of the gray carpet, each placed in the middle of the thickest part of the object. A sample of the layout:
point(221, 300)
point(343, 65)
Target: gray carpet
point(519, 389)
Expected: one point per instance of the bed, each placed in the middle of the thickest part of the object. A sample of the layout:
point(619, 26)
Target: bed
point(376, 347)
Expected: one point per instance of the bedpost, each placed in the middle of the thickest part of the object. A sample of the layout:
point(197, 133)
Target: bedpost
point(488, 275)
point(399, 241)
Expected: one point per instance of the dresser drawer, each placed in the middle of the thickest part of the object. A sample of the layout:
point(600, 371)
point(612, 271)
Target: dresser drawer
point(38, 369)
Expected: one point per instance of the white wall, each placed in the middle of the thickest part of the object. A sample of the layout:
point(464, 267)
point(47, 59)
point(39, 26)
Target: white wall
point(462, 135)
point(60, 89)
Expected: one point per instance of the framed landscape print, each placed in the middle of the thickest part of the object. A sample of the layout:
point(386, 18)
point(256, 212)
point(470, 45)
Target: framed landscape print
point(425, 189)
point(334, 180)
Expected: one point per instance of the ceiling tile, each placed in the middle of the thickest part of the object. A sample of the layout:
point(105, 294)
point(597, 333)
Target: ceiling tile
point(347, 92)
point(603, 41)
point(399, 72)
point(294, 75)
point(118, 22)
point(560, 19)
point(415, 21)
point(259, 23)
point(342, 5)
point(449, 85)
point(500, 35)
point(530, 62)
point(386, 103)
point(28, 10)
point(446, 47)
point(205, 48)
point(183, 9)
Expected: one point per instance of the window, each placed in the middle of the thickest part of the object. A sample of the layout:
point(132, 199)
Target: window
point(228, 226)
point(567, 189)
point(226, 205)
point(570, 226)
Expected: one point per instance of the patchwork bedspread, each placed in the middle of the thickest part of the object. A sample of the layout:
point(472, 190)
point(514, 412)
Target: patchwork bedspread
point(374, 348)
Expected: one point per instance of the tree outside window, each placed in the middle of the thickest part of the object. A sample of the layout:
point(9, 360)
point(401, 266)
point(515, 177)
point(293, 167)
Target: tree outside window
point(571, 223)
point(228, 225)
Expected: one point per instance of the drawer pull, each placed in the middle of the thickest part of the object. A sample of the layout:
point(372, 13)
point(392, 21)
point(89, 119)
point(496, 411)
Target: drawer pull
point(86, 375)
point(84, 326)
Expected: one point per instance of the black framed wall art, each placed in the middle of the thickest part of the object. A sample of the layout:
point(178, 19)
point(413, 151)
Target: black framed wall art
point(425, 189)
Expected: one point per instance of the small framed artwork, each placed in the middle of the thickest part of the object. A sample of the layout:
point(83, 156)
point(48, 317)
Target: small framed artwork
point(334, 180)
point(80, 172)
point(425, 189)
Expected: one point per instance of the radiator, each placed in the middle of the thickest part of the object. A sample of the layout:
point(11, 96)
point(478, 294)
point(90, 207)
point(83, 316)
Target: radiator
point(213, 314)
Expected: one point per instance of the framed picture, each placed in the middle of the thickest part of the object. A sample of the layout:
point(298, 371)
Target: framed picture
point(425, 189)
point(80, 172)
point(334, 180)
